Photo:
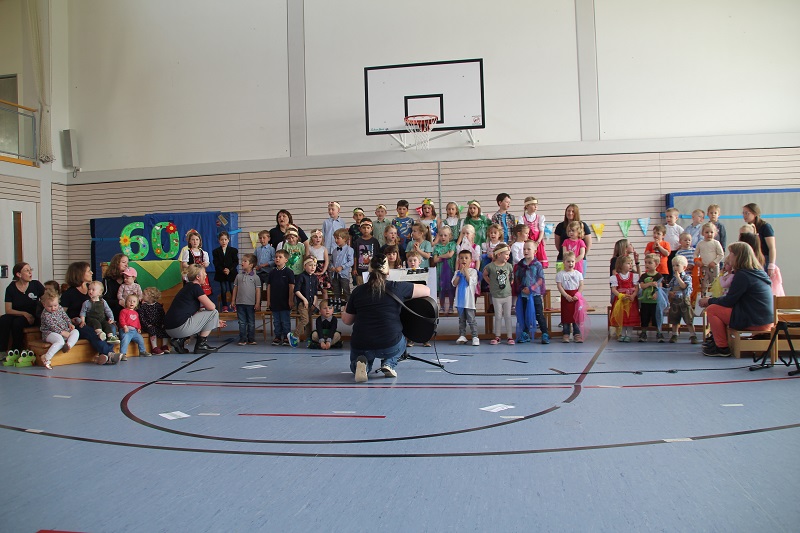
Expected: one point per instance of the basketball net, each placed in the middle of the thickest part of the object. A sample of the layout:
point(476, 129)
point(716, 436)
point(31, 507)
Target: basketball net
point(420, 126)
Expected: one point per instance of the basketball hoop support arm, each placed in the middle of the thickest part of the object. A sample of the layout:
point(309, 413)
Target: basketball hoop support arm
point(401, 138)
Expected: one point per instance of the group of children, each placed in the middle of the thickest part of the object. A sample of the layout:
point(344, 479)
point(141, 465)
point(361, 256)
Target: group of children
point(504, 252)
point(679, 265)
point(141, 311)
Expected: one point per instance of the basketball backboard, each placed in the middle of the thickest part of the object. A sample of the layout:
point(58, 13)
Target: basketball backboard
point(451, 90)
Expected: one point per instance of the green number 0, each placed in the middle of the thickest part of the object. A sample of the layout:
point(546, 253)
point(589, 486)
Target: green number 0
point(126, 239)
point(174, 240)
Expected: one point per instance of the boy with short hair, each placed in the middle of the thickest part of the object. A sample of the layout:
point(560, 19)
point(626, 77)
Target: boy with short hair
point(672, 234)
point(331, 224)
point(246, 298)
point(363, 249)
point(680, 290)
point(355, 227)
point(529, 281)
point(649, 282)
point(265, 256)
point(503, 218)
point(403, 223)
point(714, 211)
point(325, 334)
point(695, 228)
point(380, 223)
point(280, 297)
point(465, 280)
point(659, 247)
point(305, 290)
point(339, 268)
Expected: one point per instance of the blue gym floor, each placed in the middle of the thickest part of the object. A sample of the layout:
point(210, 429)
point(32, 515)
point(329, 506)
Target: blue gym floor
point(599, 436)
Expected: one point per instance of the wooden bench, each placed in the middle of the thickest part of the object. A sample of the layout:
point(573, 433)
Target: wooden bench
point(756, 342)
point(82, 352)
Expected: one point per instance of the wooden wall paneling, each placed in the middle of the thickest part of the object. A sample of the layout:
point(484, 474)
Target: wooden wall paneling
point(60, 230)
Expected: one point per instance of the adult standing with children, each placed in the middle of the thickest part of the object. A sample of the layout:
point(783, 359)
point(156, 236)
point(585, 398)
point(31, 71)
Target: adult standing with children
point(192, 313)
point(571, 213)
point(78, 277)
point(751, 214)
point(22, 296)
point(282, 222)
point(112, 281)
point(748, 305)
point(375, 317)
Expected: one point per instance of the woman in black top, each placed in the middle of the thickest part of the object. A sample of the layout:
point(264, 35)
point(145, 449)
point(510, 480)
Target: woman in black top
point(375, 317)
point(192, 312)
point(112, 280)
point(22, 296)
point(79, 274)
point(283, 220)
point(571, 213)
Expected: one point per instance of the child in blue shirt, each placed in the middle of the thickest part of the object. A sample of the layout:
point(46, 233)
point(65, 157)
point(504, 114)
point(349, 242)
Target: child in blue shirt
point(265, 257)
point(529, 281)
point(339, 268)
point(403, 223)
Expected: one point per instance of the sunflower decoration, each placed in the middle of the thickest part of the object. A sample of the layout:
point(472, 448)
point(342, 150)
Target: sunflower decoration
point(125, 241)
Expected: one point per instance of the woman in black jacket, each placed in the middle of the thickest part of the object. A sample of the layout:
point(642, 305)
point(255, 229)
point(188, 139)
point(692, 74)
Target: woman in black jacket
point(748, 304)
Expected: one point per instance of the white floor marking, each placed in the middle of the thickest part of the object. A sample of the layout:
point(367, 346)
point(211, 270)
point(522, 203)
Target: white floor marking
point(34, 431)
point(60, 396)
point(512, 417)
point(496, 408)
point(207, 414)
point(732, 405)
point(677, 440)
point(174, 415)
point(251, 367)
point(344, 412)
point(516, 379)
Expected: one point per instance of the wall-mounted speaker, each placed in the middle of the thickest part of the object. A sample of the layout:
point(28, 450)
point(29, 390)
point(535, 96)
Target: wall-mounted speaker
point(69, 149)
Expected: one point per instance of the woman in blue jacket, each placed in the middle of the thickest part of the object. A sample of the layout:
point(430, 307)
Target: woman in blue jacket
point(747, 306)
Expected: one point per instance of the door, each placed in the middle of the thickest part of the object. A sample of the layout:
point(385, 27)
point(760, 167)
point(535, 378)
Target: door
point(19, 239)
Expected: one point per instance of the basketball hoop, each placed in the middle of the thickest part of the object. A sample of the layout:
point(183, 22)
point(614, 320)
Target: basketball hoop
point(420, 126)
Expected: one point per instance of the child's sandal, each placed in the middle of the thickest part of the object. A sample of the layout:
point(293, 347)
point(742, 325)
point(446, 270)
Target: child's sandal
point(496, 340)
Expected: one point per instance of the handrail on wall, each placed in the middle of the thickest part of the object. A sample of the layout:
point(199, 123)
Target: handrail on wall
point(32, 110)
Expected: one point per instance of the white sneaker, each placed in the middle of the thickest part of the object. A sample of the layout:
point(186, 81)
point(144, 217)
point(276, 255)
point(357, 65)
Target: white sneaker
point(476, 341)
point(461, 340)
point(361, 369)
point(388, 372)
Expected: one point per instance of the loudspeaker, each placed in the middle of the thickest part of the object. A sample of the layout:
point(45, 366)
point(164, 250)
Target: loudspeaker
point(69, 149)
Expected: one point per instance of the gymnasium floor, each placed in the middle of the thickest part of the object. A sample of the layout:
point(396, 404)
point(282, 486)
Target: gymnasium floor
point(599, 436)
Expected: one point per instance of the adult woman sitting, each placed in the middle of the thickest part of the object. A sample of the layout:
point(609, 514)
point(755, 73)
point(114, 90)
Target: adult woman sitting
point(277, 234)
point(22, 296)
point(112, 280)
point(751, 214)
point(571, 213)
point(746, 306)
point(79, 274)
point(192, 313)
point(375, 317)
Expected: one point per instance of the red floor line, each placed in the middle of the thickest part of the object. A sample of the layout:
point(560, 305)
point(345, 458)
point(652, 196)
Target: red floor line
point(306, 415)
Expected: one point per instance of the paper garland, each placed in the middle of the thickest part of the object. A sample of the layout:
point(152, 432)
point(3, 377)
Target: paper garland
point(254, 238)
point(624, 225)
point(644, 223)
point(598, 229)
point(549, 229)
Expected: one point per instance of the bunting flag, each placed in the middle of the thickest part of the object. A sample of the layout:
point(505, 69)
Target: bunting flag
point(549, 229)
point(644, 223)
point(625, 225)
point(598, 229)
point(254, 239)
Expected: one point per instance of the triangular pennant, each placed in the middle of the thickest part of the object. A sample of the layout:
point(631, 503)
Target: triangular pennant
point(254, 239)
point(549, 229)
point(598, 229)
point(625, 225)
point(644, 223)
